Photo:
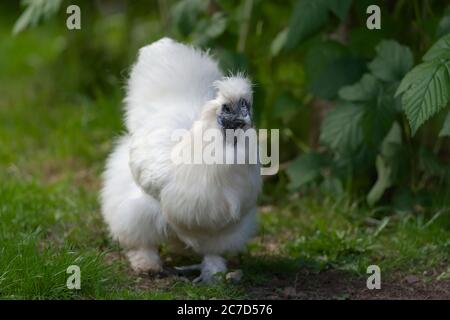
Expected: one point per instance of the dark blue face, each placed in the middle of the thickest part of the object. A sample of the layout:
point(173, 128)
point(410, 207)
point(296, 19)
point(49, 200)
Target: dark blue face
point(234, 115)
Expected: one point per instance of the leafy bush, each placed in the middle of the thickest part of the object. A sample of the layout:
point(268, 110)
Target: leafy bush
point(366, 128)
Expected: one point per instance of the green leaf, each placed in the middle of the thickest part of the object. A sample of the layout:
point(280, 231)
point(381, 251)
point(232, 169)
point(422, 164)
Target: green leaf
point(341, 128)
point(394, 137)
point(217, 25)
point(444, 24)
point(383, 182)
point(385, 164)
point(185, 14)
point(279, 42)
point(396, 154)
point(304, 169)
point(209, 28)
point(320, 54)
point(308, 17)
point(363, 42)
point(392, 62)
point(440, 50)
point(286, 107)
point(340, 72)
point(414, 76)
point(378, 104)
point(445, 131)
point(379, 114)
point(426, 90)
point(34, 12)
point(26, 19)
point(362, 120)
point(367, 88)
point(339, 7)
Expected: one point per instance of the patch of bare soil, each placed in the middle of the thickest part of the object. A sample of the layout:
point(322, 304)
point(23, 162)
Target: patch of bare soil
point(334, 284)
point(325, 285)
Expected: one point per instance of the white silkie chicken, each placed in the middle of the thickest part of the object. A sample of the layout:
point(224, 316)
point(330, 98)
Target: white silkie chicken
point(146, 198)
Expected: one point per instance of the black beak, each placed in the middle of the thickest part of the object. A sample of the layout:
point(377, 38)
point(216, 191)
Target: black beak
point(231, 122)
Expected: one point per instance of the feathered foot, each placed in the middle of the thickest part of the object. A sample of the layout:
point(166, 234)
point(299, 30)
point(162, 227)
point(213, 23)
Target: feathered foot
point(145, 260)
point(210, 268)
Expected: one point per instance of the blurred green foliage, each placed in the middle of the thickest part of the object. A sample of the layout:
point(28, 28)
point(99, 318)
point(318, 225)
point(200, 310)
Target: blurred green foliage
point(359, 113)
point(320, 76)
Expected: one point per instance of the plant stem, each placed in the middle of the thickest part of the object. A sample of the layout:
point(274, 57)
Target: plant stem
point(164, 13)
point(245, 26)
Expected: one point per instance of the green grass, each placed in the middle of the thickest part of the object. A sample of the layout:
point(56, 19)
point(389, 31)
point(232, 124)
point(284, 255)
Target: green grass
point(47, 227)
point(51, 156)
point(332, 234)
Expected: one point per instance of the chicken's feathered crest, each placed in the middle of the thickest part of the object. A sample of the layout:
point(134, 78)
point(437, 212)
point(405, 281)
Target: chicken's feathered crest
point(234, 86)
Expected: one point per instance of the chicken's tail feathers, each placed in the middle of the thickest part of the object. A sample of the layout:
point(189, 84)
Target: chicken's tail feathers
point(167, 71)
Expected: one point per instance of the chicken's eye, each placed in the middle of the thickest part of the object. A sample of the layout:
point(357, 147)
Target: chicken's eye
point(226, 108)
point(244, 104)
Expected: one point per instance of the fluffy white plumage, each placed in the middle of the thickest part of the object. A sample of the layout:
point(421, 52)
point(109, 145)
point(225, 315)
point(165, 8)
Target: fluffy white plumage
point(146, 199)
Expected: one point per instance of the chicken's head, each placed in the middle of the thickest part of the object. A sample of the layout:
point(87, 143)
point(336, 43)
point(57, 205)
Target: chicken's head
point(234, 102)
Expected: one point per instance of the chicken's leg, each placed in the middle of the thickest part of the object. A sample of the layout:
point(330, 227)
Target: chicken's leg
point(210, 267)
